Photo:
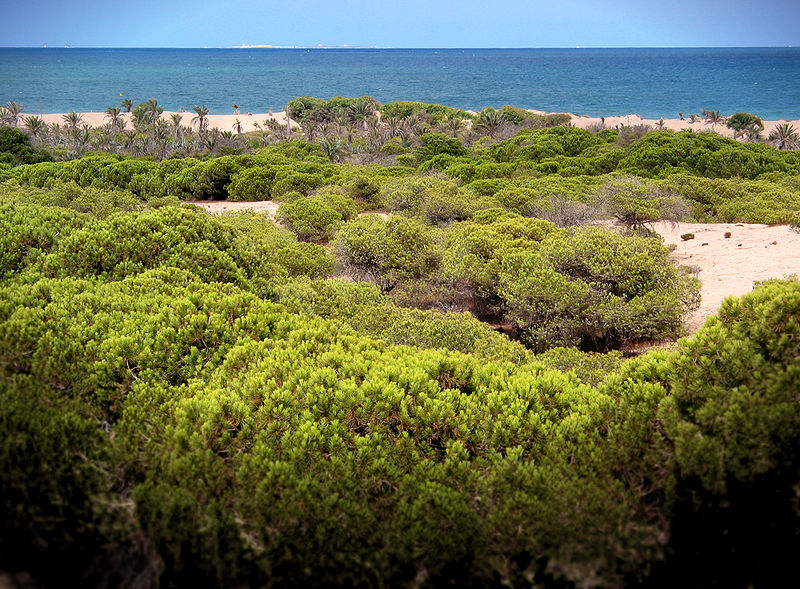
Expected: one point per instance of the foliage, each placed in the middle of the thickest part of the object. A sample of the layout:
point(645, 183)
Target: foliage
point(728, 424)
point(635, 203)
point(385, 251)
point(187, 400)
point(596, 290)
point(742, 120)
point(433, 198)
point(315, 218)
point(252, 183)
point(590, 288)
point(16, 144)
point(437, 112)
point(438, 143)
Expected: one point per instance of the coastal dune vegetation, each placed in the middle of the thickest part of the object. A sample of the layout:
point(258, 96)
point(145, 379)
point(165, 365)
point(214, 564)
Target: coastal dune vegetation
point(423, 371)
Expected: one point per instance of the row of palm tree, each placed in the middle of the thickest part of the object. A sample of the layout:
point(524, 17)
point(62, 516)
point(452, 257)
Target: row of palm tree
point(340, 133)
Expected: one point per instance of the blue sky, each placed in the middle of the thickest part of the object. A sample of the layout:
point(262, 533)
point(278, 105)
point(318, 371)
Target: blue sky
point(401, 23)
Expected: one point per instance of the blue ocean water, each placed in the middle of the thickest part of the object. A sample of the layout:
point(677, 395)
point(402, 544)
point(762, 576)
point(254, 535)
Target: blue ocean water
point(597, 82)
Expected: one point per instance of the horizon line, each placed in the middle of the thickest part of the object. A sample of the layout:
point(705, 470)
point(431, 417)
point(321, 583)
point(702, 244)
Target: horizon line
point(323, 47)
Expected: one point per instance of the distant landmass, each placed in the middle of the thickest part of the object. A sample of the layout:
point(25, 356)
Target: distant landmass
point(244, 46)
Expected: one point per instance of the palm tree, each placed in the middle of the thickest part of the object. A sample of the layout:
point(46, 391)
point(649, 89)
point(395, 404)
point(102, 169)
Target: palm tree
point(361, 111)
point(712, 116)
point(211, 140)
point(309, 128)
point(394, 124)
point(35, 126)
point(127, 104)
point(56, 137)
point(489, 121)
point(73, 120)
point(201, 118)
point(417, 123)
point(104, 136)
point(333, 150)
point(237, 126)
point(784, 136)
point(12, 112)
point(453, 126)
point(82, 138)
point(176, 119)
point(153, 111)
point(115, 115)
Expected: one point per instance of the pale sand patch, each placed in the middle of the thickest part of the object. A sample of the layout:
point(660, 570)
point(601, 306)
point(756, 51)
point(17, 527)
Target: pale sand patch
point(217, 207)
point(221, 122)
point(676, 124)
point(729, 266)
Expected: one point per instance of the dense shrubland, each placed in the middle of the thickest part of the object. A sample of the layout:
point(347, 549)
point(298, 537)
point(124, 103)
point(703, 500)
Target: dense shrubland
point(222, 401)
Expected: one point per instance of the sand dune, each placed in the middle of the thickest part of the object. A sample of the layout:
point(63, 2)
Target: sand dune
point(675, 124)
point(728, 266)
point(217, 207)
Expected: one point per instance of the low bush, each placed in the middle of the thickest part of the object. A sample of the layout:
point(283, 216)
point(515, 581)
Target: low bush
point(315, 218)
point(386, 251)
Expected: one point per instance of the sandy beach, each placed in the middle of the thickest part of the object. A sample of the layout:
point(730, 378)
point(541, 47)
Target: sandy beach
point(221, 122)
point(676, 124)
point(728, 266)
point(227, 122)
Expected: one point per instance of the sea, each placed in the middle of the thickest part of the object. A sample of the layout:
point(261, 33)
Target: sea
point(653, 83)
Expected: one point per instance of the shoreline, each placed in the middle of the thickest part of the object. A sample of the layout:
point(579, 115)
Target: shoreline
point(226, 122)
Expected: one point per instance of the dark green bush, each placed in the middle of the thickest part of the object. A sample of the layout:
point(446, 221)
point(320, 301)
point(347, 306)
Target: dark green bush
point(437, 112)
point(439, 143)
point(252, 184)
point(595, 289)
point(17, 149)
point(742, 120)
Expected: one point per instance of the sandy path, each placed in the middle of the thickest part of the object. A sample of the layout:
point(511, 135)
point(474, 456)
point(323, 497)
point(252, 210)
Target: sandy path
point(216, 207)
point(729, 266)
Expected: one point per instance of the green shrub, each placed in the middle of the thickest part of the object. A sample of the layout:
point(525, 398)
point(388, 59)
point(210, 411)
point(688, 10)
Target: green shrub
point(742, 120)
point(433, 198)
point(439, 143)
point(315, 218)
point(17, 149)
point(27, 232)
point(386, 251)
point(726, 428)
point(288, 180)
point(252, 184)
point(595, 289)
point(635, 203)
point(437, 112)
point(591, 367)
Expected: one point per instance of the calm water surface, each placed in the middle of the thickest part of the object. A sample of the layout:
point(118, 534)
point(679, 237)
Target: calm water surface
point(651, 82)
